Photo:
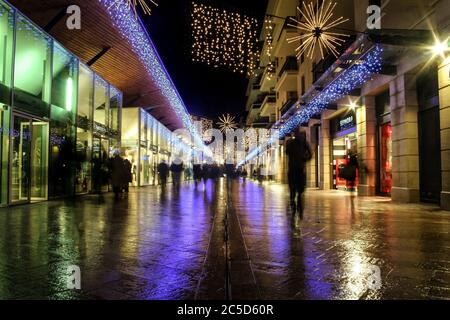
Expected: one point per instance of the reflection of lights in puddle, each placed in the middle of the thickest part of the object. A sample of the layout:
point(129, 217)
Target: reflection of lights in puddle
point(356, 273)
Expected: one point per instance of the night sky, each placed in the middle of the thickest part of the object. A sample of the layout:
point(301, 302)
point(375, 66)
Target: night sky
point(206, 91)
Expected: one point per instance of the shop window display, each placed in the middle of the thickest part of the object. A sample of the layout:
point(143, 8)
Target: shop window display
point(386, 158)
point(83, 181)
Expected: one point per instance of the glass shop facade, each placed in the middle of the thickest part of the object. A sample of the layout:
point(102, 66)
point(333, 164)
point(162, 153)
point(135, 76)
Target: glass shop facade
point(59, 120)
point(146, 142)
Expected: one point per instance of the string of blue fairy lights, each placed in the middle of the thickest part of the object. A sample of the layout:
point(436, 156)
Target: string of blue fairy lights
point(351, 79)
point(130, 27)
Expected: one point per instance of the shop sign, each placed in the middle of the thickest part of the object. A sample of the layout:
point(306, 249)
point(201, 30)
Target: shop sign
point(346, 122)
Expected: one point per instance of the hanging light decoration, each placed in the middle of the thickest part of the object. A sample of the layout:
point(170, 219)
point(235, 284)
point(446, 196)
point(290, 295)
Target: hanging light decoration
point(140, 43)
point(226, 122)
point(133, 4)
point(316, 30)
point(224, 39)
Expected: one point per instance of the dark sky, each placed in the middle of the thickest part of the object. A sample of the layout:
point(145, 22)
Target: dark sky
point(206, 91)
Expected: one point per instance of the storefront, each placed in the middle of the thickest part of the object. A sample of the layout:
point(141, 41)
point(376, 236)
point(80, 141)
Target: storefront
point(384, 144)
point(344, 142)
point(146, 142)
point(49, 115)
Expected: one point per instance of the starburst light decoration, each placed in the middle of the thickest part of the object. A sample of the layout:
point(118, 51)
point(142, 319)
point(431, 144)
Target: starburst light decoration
point(133, 4)
point(221, 38)
point(226, 122)
point(316, 30)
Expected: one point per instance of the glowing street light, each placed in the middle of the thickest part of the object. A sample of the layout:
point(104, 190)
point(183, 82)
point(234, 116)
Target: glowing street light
point(441, 48)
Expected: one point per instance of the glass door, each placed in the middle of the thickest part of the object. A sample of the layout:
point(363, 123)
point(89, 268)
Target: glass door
point(29, 160)
point(39, 160)
point(100, 164)
point(20, 160)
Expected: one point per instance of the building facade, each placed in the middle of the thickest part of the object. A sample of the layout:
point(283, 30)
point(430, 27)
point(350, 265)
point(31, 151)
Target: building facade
point(396, 120)
point(146, 142)
point(61, 112)
point(57, 116)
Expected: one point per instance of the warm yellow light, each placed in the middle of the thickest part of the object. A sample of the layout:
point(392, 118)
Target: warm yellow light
point(441, 48)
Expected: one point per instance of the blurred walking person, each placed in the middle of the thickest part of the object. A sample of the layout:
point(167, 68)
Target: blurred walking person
point(163, 172)
point(198, 174)
point(176, 169)
point(128, 177)
point(299, 152)
point(118, 173)
point(350, 173)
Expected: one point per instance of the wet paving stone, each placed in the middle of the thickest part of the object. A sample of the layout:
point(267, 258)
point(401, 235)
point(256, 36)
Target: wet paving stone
point(225, 241)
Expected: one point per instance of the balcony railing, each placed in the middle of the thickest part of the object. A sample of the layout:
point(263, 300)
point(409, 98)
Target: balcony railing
point(288, 105)
point(289, 65)
point(320, 68)
point(270, 99)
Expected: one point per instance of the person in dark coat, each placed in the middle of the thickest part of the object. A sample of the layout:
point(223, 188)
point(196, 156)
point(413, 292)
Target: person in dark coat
point(117, 168)
point(128, 178)
point(163, 172)
point(198, 173)
point(299, 152)
point(176, 169)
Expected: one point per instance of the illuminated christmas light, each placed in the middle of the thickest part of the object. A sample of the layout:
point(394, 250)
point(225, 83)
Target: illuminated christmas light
point(224, 39)
point(350, 79)
point(140, 43)
point(133, 4)
point(316, 30)
point(226, 122)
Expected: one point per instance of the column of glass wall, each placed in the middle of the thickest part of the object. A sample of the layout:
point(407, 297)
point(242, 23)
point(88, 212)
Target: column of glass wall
point(6, 57)
point(146, 143)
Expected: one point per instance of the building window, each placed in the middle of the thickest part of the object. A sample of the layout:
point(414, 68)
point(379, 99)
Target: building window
point(115, 105)
point(65, 78)
point(32, 69)
point(101, 101)
point(6, 50)
point(83, 180)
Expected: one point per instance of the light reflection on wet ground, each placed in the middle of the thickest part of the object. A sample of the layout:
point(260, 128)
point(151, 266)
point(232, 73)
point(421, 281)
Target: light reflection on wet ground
point(170, 245)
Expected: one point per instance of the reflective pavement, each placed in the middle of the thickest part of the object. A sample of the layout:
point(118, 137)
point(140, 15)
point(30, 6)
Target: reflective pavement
point(234, 240)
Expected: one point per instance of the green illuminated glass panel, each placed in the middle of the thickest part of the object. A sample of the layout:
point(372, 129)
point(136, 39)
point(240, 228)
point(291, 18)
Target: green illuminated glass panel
point(83, 178)
point(6, 50)
point(32, 68)
point(4, 151)
point(65, 78)
point(101, 102)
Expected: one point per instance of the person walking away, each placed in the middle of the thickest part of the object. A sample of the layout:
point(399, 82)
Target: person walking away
point(127, 176)
point(163, 172)
point(198, 174)
point(118, 174)
point(351, 174)
point(176, 170)
point(299, 152)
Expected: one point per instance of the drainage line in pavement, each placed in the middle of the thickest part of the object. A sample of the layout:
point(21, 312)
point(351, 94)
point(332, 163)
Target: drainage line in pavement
point(205, 260)
point(230, 204)
point(227, 250)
